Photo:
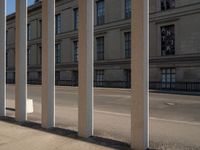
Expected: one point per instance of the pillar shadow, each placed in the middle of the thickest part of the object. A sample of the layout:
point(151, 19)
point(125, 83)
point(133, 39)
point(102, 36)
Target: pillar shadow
point(70, 134)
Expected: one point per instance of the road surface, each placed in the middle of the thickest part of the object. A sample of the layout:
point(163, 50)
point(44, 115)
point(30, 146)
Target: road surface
point(174, 119)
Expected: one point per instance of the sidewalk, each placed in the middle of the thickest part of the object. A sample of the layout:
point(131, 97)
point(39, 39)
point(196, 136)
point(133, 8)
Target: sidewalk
point(31, 136)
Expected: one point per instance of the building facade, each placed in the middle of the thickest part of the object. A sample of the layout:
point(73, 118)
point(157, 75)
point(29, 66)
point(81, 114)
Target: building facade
point(174, 42)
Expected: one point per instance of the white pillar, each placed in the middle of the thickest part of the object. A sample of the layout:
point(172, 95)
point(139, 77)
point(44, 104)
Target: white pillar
point(3, 58)
point(86, 34)
point(140, 75)
point(48, 63)
point(21, 60)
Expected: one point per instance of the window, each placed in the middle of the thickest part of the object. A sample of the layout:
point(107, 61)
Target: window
point(58, 53)
point(167, 4)
point(99, 77)
point(100, 48)
point(100, 12)
point(58, 24)
point(127, 9)
point(167, 40)
point(40, 55)
point(40, 24)
point(29, 32)
point(127, 73)
point(127, 36)
point(75, 18)
point(6, 37)
point(168, 77)
point(28, 56)
point(74, 78)
point(75, 51)
point(6, 58)
point(57, 76)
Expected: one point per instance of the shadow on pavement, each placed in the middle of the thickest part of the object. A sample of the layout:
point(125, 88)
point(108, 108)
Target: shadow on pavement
point(71, 134)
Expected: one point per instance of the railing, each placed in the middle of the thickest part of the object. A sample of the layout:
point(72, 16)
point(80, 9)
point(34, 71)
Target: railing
point(112, 84)
point(176, 86)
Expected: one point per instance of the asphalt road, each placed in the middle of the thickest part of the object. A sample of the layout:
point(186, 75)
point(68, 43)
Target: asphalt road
point(174, 119)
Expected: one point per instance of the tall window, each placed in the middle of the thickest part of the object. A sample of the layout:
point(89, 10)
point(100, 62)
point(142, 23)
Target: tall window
point(74, 77)
point(127, 73)
point(40, 30)
point(75, 18)
point(29, 32)
point(100, 12)
point(6, 37)
point(57, 76)
point(75, 51)
point(6, 58)
point(127, 36)
point(58, 53)
point(40, 55)
point(28, 56)
point(168, 77)
point(168, 74)
point(99, 77)
point(127, 9)
point(167, 40)
point(58, 24)
point(167, 4)
point(100, 48)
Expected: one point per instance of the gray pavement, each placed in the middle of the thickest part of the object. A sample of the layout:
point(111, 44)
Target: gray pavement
point(174, 119)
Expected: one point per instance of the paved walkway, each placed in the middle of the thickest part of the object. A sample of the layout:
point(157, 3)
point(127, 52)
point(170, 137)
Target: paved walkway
point(31, 136)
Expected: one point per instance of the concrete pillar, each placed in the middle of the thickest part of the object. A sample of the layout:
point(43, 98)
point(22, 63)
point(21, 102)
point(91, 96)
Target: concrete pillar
point(85, 106)
point(3, 58)
point(140, 75)
point(48, 63)
point(21, 60)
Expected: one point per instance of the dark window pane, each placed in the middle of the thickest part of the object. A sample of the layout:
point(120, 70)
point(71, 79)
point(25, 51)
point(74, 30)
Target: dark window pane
point(127, 36)
point(100, 12)
point(100, 48)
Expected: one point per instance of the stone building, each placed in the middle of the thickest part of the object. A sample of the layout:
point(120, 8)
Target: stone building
point(174, 42)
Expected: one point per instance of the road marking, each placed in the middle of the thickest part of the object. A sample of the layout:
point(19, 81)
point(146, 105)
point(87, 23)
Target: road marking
point(176, 121)
point(151, 118)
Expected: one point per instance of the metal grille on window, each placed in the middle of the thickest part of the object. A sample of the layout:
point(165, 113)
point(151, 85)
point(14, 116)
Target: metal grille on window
point(167, 40)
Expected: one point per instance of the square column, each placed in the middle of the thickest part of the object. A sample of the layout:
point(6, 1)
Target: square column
point(140, 75)
point(3, 58)
point(85, 68)
point(21, 60)
point(48, 63)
